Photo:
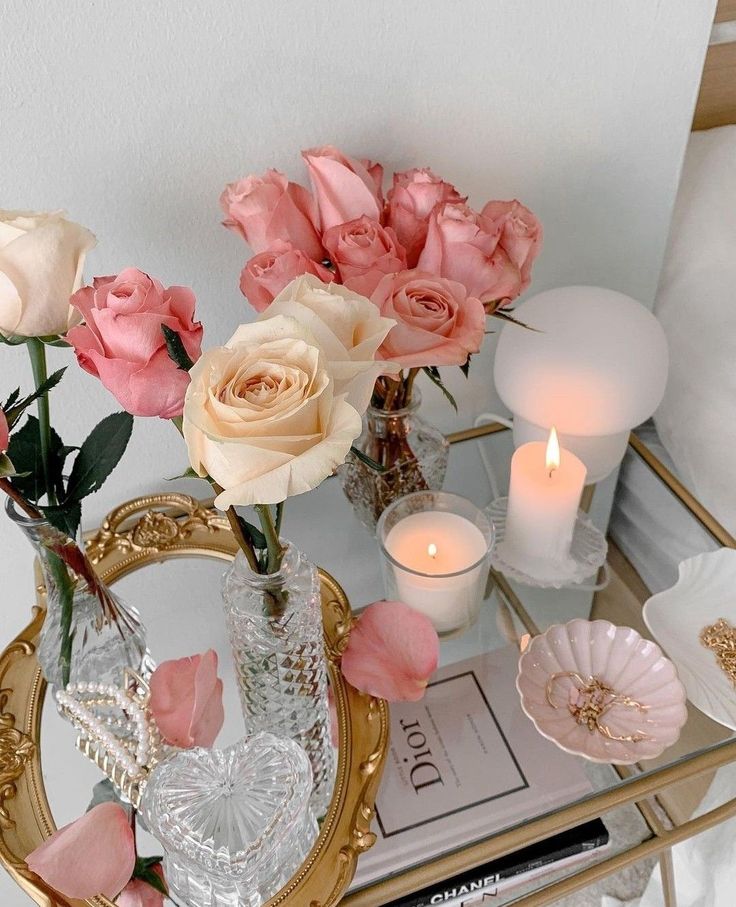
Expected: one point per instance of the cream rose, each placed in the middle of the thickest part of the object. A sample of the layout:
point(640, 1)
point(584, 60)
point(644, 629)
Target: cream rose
point(41, 262)
point(349, 329)
point(261, 416)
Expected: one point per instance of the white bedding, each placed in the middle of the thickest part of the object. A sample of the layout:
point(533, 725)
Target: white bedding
point(696, 422)
point(649, 524)
point(696, 304)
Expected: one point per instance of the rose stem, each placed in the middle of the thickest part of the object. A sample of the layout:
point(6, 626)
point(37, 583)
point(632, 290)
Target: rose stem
point(27, 508)
point(392, 391)
point(279, 517)
point(37, 352)
point(232, 517)
point(409, 385)
point(243, 543)
point(275, 551)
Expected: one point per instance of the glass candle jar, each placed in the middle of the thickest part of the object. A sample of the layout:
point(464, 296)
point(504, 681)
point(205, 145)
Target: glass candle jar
point(435, 550)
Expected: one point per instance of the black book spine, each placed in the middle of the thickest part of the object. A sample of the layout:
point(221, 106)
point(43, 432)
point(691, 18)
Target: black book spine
point(472, 883)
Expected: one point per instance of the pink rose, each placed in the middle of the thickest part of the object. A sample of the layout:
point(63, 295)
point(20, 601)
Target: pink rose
point(521, 239)
point(4, 433)
point(122, 343)
point(392, 652)
point(186, 700)
point(364, 251)
point(93, 855)
point(438, 322)
point(138, 893)
point(345, 188)
point(266, 274)
point(464, 246)
point(412, 198)
point(266, 209)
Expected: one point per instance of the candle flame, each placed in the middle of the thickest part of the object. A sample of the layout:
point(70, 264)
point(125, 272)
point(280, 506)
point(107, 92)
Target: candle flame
point(432, 550)
point(553, 452)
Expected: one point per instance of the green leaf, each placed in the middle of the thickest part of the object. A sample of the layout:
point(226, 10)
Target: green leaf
point(66, 517)
point(13, 340)
point(16, 409)
point(104, 792)
point(252, 533)
point(24, 450)
point(11, 400)
point(433, 373)
point(505, 316)
point(55, 340)
point(8, 470)
point(188, 473)
point(149, 862)
point(364, 458)
point(175, 348)
point(99, 455)
point(143, 870)
point(465, 369)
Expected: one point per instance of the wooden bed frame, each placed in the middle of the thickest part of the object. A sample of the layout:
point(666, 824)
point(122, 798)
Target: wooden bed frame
point(717, 99)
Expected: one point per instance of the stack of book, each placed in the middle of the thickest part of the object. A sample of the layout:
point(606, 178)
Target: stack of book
point(464, 764)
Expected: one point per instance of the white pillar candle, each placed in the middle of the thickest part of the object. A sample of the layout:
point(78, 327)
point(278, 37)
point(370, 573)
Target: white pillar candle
point(544, 496)
point(438, 566)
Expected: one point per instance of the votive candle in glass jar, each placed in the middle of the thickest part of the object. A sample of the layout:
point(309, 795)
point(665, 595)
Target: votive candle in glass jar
point(435, 549)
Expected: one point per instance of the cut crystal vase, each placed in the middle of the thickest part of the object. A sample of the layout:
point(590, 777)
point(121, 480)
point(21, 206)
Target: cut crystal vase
point(275, 627)
point(87, 631)
point(403, 454)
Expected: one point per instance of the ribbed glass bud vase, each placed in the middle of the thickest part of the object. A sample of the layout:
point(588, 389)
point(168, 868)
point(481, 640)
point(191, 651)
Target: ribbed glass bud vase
point(87, 631)
point(275, 627)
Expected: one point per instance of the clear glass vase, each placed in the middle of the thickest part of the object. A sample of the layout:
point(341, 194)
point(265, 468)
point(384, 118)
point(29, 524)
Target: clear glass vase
point(87, 630)
point(275, 627)
point(404, 453)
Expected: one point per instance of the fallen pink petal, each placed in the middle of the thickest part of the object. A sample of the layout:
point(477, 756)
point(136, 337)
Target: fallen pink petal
point(93, 855)
point(392, 652)
point(186, 700)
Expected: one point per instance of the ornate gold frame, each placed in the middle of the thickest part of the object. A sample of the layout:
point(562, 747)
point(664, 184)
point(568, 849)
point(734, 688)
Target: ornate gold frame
point(142, 532)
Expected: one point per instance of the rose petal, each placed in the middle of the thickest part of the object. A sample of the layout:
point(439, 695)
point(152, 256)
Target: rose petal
point(345, 189)
point(186, 700)
point(138, 893)
point(392, 652)
point(93, 855)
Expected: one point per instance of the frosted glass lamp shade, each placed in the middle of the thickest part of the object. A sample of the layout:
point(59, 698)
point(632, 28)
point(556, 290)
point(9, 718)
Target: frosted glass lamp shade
point(594, 367)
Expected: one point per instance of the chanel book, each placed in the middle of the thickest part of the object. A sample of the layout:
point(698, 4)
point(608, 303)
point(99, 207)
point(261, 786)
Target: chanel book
point(493, 880)
point(463, 764)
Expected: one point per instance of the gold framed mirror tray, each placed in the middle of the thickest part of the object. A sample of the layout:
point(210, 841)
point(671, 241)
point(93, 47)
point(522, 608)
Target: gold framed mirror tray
point(135, 535)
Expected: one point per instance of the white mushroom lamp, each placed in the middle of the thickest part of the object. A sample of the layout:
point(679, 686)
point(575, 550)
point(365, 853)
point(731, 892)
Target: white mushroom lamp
point(595, 366)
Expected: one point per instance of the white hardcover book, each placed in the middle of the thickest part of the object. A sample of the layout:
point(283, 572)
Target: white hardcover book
point(463, 763)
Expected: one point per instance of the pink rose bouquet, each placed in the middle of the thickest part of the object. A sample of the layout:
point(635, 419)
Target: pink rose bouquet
point(421, 254)
point(447, 263)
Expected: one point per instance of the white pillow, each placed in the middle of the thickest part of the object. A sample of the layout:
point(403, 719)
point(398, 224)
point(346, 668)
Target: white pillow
point(696, 303)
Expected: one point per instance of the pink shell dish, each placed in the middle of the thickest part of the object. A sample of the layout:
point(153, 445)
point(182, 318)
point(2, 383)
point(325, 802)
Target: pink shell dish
point(623, 660)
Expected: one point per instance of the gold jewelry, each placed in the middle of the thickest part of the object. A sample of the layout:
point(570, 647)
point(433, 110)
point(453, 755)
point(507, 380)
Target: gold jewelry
point(590, 699)
point(720, 638)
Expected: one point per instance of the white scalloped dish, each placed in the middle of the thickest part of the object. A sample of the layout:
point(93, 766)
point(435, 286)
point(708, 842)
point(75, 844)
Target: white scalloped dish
point(649, 704)
point(704, 592)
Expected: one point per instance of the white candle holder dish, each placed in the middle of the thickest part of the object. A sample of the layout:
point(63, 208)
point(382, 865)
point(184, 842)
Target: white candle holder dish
point(587, 554)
